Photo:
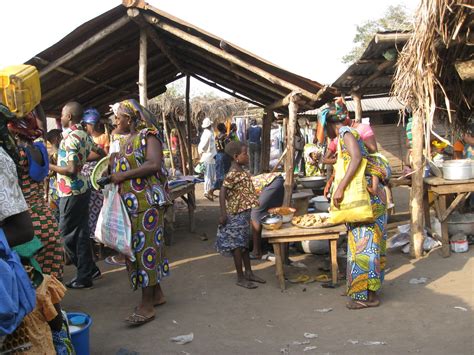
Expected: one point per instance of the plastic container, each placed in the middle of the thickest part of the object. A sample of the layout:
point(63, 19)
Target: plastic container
point(80, 337)
point(20, 88)
point(459, 246)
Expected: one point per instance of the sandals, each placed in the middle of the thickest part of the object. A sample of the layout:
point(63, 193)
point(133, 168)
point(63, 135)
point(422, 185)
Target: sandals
point(209, 197)
point(114, 260)
point(354, 305)
point(136, 319)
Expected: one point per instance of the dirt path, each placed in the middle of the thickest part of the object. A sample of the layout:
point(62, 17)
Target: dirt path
point(227, 319)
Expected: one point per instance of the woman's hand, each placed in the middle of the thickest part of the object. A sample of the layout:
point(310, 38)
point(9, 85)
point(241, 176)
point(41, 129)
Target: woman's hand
point(223, 220)
point(117, 178)
point(338, 196)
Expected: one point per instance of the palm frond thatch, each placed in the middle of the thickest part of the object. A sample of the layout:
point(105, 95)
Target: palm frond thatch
point(426, 78)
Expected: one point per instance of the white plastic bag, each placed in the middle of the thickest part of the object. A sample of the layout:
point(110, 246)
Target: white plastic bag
point(114, 229)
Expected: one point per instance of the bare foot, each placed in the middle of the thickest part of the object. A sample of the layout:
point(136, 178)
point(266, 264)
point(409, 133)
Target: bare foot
point(159, 300)
point(252, 277)
point(246, 284)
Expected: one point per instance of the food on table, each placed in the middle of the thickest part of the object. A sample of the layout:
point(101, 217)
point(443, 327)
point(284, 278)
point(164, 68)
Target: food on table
point(311, 220)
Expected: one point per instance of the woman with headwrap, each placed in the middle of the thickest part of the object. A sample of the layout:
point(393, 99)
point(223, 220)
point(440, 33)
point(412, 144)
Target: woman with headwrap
point(366, 241)
point(142, 178)
point(96, 130)
point(41, 331)
point(33, 169)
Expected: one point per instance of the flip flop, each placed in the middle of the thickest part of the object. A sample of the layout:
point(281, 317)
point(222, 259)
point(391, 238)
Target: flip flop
point(354, 305)
point(322, 278)
point(113, 260)
point(136, 319)
point(246, 284)
point(299, 279)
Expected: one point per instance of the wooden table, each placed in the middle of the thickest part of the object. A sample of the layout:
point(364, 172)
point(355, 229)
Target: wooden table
point(441, 188)
point(187, 194)
point(289, 233)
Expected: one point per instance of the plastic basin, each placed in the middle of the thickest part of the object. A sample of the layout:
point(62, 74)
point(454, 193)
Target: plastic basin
point(80, 337)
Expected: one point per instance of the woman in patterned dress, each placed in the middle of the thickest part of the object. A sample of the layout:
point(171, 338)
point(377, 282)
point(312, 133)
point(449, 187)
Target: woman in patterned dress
point(139, 171)
point(366, 241)
point(33, 169)
point(237, 198)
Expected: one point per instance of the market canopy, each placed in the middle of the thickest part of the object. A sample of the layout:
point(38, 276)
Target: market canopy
point(97, 64)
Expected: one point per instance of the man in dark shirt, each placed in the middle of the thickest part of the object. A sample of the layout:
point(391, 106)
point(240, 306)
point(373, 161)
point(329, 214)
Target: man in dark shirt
point(254, 137)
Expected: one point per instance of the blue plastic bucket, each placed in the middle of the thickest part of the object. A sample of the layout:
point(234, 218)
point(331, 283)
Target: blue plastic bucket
point(80, 338)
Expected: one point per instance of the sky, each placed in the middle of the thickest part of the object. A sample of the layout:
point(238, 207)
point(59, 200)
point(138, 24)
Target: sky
point(307, 37)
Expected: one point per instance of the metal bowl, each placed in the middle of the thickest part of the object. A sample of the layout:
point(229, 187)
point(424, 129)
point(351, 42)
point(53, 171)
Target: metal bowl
point(458, 169)
point(313, 182)
point(286, 213)
point(272, 221)
point(321, 203)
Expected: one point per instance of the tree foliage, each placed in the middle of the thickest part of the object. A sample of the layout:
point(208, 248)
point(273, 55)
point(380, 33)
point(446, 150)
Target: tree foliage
point(395, 18)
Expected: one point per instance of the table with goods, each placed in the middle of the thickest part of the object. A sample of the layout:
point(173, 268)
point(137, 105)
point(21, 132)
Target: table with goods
point(307, 227)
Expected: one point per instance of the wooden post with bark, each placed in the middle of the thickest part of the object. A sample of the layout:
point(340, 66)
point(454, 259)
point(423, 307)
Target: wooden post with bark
point(290, 144)
point(358, 106)
point(266, 141)
point(188, 125)
point(168, 142)
point(416, 197)
point(142, 69)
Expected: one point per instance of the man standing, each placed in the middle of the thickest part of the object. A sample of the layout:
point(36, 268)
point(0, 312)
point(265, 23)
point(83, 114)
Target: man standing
point(74, 193)
point(207, 150)
point(254, 137)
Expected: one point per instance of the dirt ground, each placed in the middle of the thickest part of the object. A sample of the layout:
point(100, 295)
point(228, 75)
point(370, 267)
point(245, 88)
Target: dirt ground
point(202, 298)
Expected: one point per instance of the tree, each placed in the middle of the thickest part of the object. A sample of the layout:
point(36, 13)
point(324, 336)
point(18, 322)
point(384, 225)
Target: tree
point(396, 18)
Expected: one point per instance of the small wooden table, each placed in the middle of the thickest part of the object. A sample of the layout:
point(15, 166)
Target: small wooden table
point(289, 233)
point(187, 194)
point(442, 188)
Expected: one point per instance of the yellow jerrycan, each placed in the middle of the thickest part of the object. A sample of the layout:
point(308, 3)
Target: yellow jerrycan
point(20, 88)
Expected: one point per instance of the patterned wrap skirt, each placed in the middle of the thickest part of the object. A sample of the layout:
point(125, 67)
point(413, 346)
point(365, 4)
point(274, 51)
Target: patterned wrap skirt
point(235, 234)
point(96, 201)
point(150, 265)
point(366, 251)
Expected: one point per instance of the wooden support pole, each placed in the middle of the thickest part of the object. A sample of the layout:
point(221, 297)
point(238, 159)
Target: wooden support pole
point(85, 45)
point(266, 141)
point(194, 40)
point(142, 69)
point(290, 144)
point(188, 125)
point(416, 205)
point(358, 106)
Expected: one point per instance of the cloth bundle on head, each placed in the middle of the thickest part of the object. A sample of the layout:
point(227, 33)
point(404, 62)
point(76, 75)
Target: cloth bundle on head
point(91, 116)
point(139, 114)
point(6, 140)
point(335, 112)
point(26, 127)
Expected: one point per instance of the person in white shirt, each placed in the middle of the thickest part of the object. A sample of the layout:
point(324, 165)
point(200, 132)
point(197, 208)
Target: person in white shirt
point(207, 150)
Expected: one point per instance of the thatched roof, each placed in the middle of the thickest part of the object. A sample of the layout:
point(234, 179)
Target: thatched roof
point(217, 109)
point(426, 77)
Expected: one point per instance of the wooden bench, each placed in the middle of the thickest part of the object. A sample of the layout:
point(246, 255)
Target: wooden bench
point(187, 194)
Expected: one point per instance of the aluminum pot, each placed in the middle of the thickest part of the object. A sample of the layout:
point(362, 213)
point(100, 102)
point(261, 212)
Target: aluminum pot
point(313, 182)
point(458, 169)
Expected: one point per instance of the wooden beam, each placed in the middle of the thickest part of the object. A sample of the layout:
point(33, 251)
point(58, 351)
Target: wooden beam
point(228, 92)
point(120, 75)
point(143, 68)
point(188, 125)
point(85, 45)
point(392, 37)
point(231, 84)
point(80, 76)
point(236, 71)
point(378, 72)
point(465, 69)
point(357, 106)
point(266, 141)
point(229, 57)
point(290, 144)
point(72, 73)
point(416, 203)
